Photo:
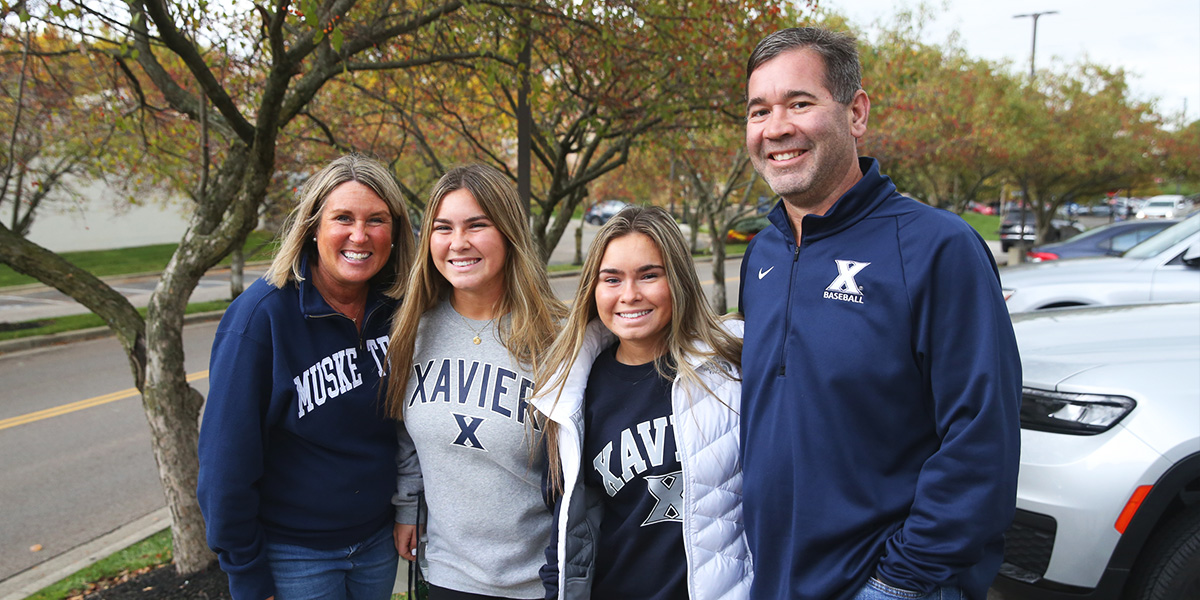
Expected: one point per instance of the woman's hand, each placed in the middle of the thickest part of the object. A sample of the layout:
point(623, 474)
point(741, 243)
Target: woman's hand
point(405, 537)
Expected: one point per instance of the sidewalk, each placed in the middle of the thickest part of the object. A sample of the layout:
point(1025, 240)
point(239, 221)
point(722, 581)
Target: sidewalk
point(28, 582)
point(37, 301)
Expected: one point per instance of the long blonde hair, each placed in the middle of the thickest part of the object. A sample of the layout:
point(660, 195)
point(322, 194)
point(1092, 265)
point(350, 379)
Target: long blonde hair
point(528, 301)
point(301, 224)
point(695, 330)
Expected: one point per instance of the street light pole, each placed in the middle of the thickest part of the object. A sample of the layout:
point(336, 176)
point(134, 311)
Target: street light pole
point(1033, 49)
point(1019, 255)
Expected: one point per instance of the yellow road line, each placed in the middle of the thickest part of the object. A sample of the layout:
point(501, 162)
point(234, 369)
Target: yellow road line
point(82, 404)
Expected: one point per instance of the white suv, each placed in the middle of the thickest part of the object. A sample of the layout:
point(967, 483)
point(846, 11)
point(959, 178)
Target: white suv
point(1162, 207)
point(1108, 497)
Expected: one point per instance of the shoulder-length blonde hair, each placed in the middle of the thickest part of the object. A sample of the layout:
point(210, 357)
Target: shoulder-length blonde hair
point(695, 331)
point(529, 302)
point(301, 225)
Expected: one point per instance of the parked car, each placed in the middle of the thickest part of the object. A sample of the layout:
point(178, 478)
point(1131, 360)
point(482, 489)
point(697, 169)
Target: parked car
point(981, 208)
point(1108, 495)
point(1162, 207)
point(1060, 229)
point(744, 230)
point(1164, 268)
point(601, 212)
point(1107, 240)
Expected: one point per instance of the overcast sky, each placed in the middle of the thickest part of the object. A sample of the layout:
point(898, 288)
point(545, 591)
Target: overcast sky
point(1156, 41)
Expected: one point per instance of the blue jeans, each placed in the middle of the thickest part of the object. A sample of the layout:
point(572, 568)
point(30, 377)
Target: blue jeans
point(362, 571)
point(878, 590)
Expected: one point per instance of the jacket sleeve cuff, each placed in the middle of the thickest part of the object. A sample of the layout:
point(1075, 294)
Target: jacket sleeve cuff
point(406, 514)
point(252, 584)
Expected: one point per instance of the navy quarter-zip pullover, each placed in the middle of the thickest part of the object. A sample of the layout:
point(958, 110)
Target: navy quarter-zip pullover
point(881, 390)
point(295, 445)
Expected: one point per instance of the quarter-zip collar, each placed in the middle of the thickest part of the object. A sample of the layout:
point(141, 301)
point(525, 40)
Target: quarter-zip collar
point(858, 202)
point(314, 306)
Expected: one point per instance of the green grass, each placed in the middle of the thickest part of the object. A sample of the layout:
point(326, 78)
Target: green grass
point(74, 322)
point(988, 226)
point(152, 551)
point(732, 249)
point(141, 259)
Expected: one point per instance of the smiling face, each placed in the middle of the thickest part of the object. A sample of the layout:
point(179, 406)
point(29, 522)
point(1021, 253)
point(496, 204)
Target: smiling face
point(354, 240)
point(801, 140)
point(633, 297)
point(468, 250)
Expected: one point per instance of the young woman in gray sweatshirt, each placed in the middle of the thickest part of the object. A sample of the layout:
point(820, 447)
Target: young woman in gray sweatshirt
point(477, 314)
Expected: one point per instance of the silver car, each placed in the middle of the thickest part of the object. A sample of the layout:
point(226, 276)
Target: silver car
point(1164, 268)
point(1108, 495)
point(1162, 207)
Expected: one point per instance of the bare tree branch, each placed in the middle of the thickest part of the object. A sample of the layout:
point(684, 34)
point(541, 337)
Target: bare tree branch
point(186, 51)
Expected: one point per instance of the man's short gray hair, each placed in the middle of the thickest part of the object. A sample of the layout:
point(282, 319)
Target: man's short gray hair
point(843, 73)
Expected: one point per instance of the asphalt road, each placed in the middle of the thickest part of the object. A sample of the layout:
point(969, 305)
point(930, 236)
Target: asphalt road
point(75, 455)
point(86, 468)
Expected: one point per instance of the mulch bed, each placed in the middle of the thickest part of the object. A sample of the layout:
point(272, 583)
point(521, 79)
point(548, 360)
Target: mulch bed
point(163, 583)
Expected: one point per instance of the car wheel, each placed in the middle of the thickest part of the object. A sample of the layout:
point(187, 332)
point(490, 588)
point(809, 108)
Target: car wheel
point(1169, 568)
point(1004, 246)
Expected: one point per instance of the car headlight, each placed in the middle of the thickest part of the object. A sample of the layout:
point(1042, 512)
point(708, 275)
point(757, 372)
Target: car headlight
point(1076, 414)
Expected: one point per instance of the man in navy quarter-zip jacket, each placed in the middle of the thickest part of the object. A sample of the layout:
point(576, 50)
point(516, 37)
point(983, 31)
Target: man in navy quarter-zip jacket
point(880, 378)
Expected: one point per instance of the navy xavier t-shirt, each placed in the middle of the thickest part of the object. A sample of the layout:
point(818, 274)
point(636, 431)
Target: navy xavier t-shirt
point(630, 460)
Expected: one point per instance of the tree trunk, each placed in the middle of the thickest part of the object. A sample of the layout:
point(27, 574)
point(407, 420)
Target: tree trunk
point(237, 270)
point(547, 233)
point(579, 243)
point(720, 303)
point(691, 216)
point(173, 408)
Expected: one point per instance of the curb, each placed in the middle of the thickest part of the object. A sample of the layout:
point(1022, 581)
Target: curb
point(29, 581)
point(67, 337)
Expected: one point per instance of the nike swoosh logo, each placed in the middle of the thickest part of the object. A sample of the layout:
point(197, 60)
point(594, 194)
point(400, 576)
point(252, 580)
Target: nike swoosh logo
point(762, 273)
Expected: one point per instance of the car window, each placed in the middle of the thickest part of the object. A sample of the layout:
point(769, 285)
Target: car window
point(1166, 238)
point(1144, 234)
point(1091, 233)
point(1125, 241)
point(1178, 260)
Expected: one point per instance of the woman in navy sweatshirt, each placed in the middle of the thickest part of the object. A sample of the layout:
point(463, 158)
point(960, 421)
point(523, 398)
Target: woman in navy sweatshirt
point(297, 455)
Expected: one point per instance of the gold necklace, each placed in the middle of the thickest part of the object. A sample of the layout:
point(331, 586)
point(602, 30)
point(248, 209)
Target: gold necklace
point(477, 339)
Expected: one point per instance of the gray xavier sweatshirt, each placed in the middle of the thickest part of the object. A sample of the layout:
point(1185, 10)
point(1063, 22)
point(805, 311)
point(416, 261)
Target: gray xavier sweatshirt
point(466, 443)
